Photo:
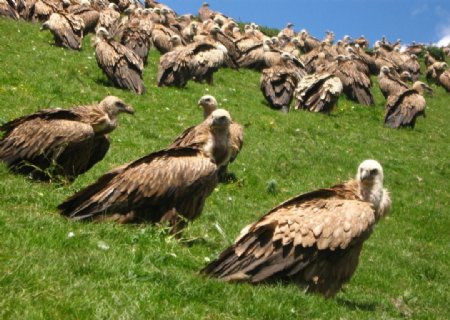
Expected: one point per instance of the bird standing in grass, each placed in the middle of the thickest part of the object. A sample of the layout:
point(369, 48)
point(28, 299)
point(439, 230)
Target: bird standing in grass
point(65, 142)
point(168, 186)
point(314, 239)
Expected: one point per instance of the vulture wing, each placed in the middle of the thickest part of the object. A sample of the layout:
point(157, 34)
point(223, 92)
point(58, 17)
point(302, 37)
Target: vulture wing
point(148, 188)
point(403, 109)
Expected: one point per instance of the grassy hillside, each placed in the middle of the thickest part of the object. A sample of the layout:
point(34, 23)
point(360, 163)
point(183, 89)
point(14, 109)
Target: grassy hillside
point(137, 272)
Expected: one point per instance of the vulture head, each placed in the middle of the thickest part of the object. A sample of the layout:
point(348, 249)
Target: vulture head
point(370, 179)
point(215, 29)
point(370, 172)
point(175, 40)
point(405, 76)
point(285, 56)
point(102, 33)
point(113, 106)
point(85, 3)
point(205, 4)
point(113, 6)
point(209, 104)
point(289, 25)
point(384, 70)
point(422, 87)
point(66, 4)
point(219, 120)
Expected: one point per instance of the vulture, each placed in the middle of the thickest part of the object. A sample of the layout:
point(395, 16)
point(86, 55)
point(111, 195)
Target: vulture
point(197, 61)
point(89, 15)
point(278, 83)
point(314, 239)
point(444, 80)
point(67, 30)
point(42, 9)
point(318, 92)
point(390, 84)
point(64, 142)
point(121, 65)
point(356, 84)
point(109, 19)
point(209, 104)
point(405, 76)
point(8, 9)
point(161, 37)
point(168, 186)
point(205, 13)
point(403, 108)
point(137, 36)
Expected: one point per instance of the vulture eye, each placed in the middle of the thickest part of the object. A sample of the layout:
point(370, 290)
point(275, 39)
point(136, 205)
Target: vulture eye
point(373, 171)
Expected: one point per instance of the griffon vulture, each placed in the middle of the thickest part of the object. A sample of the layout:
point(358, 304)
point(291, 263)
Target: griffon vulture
point(356, 84)
point(318, 92)
point(402, 109)
point(314, 239)
point(209, 104)
point(121, 65)
point(67, 30)
point(169, 185)
point(278, 83)
point(88, 14)
point(390, 84)
point(59, 141)
point(136, 36)
point(197, 61)
point(205, 13)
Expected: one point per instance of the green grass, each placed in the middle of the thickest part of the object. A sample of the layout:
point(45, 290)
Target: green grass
point(136, 272)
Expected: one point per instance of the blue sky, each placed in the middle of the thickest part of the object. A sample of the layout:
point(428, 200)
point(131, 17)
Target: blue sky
point(410, 20)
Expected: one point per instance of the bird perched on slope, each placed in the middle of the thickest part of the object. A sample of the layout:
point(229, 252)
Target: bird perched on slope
point(314, 239)
point(192, 134)
point(121, 65)
point(67, 30)
point(60, 142)
point(278, 82)
point(403, 108)
point(317, 92)
point(169, 185)
point(389, 83)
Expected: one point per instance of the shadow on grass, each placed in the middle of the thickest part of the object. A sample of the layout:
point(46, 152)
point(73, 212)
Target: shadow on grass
point(353, 305)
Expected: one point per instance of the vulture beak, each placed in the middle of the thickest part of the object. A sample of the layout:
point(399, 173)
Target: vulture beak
point(365, 175)
point(127, 109)
point(44, 26)
point(429, 90)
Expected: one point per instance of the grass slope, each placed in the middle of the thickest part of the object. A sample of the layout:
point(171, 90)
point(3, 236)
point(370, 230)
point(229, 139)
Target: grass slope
point(133, 272)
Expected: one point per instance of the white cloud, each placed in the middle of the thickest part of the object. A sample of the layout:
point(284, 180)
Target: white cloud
point(444, 35)
point(444, 41)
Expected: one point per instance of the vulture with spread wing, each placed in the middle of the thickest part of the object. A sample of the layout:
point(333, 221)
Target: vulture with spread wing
point(318, 92)
point(121, 65)
point(314, 239)
point(67, 30)
point(403, 108)
point(60, 142)
point(192, 134)
point(170, 185)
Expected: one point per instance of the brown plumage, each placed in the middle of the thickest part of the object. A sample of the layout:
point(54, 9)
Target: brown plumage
point(170, 185)
point(67, 30)
point(205, 13)
point(121, 65)
point(136, 36)
point(8, 9)
point(42, 9)
point(317, 92)
point(197, 61)
point(356, 84)
point(403, 108)
point(89, 15)
point(390, 84)
point(209, 104)
point(161, 36)
point(444, 80)
point(278, 83)
point(109, 19)
point(314, 239)
point(60, 142)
